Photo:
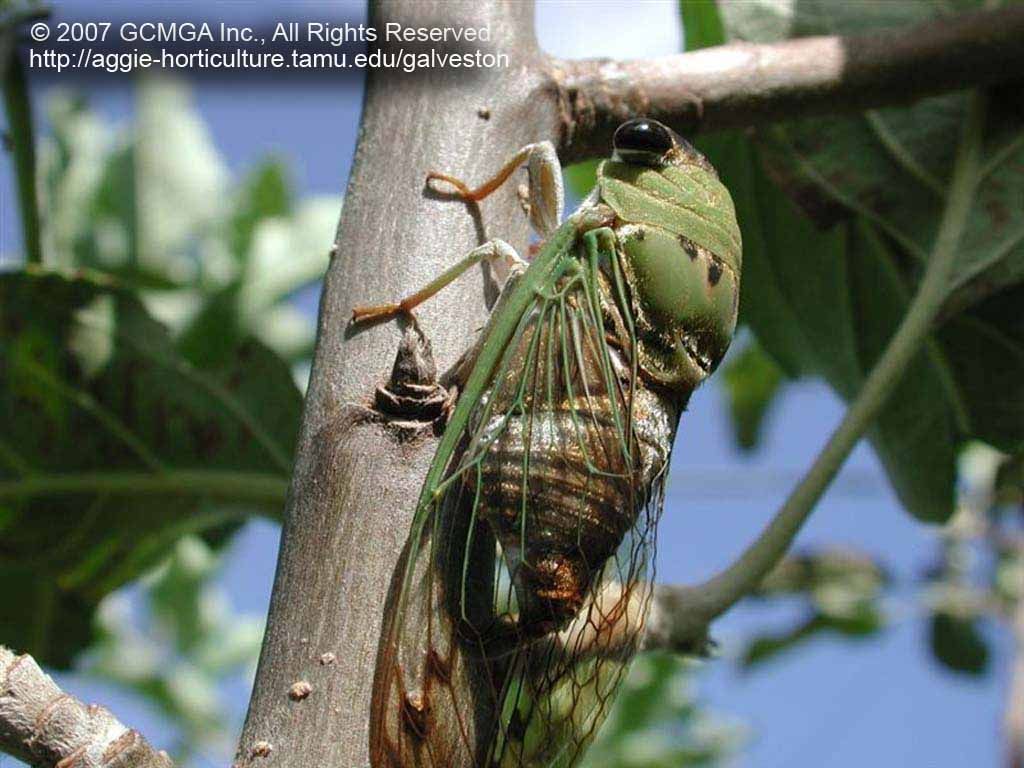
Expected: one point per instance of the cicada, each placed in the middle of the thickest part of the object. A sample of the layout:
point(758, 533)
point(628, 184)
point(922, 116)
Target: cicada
point(521, 595)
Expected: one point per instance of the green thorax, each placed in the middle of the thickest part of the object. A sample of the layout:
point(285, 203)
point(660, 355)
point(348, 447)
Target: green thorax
point(681, 252)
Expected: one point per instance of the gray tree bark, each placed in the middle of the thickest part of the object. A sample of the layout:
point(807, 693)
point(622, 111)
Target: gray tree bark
point(355, 487)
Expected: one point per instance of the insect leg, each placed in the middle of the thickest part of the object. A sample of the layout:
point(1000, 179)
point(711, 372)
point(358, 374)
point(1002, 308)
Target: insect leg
point(494, 250)
point(546, 195)
point(457, 375)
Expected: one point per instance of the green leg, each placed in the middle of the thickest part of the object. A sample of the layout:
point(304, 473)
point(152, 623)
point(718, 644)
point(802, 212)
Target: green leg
point(603, 240)
point(598, 240)
point(493, 250)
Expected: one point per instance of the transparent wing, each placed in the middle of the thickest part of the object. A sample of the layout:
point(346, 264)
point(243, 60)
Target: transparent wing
point(524, 584)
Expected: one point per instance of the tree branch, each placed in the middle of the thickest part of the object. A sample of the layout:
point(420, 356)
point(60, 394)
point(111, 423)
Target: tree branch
point(1013, 716)
point(356, 478)
point(18, 108)
point(673, 625)
point(45, 727)
point(744, 84)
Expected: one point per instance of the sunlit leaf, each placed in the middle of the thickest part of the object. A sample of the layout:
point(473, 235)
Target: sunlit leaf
point(752, 381)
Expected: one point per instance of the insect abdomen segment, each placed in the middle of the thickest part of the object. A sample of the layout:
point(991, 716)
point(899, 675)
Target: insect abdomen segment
point(556, 535)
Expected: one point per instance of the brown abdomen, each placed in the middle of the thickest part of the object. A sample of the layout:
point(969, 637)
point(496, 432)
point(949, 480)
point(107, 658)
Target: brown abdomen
point(559, 494)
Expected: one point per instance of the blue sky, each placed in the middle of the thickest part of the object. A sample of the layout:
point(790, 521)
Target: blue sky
point(834, 703)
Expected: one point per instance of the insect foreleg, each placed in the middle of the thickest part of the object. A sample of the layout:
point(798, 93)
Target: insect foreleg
point(598, 240)
point(496, 251)
point(546, 194)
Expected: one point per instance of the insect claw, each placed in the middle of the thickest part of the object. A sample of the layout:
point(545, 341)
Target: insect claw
point(383, 312)
point(370, 314)
point(462, 190)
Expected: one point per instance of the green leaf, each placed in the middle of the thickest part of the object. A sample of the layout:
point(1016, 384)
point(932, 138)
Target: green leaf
point(278, 251)
point(842, 590)
point(37, 615)
point(861, 625)
point(891, 167)
point(264, 194)
point(825, 303)
point(903, 161)
point(768, 21)
point(828, 273)
point(957, 644)
point(915, 435)
point(702, 24)
point(216, 331)
point(114, 446)
point(751, 380)
point(1008, 576)
point(985, 349)
point(1009, 481)
point(220, 325)
point(581, 177)
point(216, 261)
point(176, 597)
point(815, 571)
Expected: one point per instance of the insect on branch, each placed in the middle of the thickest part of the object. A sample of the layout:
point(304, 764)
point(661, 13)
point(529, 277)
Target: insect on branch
point(354, 490)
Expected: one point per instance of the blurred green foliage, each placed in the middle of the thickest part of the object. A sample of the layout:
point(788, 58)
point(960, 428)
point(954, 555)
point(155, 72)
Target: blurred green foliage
point(976, 578)
point(751, 380)
point(657, 722)
point(175, 644)
point(838, 214)
point(841, 590)
point(150, 386)
point(151, 367)
point(116, 446)
point(152, 205)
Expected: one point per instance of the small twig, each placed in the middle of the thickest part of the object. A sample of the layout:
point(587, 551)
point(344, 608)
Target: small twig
point(11, 22)
point(697, 606)
point(1013, 723)
point(744, 84)
point(19, 124)
point(47, 728)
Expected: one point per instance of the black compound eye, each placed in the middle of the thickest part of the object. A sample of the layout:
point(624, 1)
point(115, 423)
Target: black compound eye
point(642, 136)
